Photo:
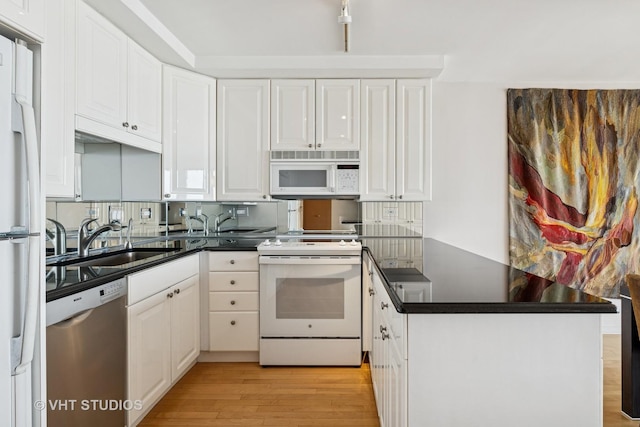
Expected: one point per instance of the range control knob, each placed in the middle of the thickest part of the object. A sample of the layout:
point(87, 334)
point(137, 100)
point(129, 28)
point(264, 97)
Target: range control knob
point(353, 242)
point(343, 243)
point(278, 242)
point(267, 242)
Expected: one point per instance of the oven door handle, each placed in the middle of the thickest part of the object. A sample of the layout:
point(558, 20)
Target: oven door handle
point(310, 260)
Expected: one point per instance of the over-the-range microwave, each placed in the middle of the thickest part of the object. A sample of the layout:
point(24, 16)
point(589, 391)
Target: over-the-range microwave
point(315, 179)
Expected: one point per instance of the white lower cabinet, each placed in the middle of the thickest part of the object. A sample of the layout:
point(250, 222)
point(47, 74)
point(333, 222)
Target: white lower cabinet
point(233, 303)
point(163, 335)
point(388, 358)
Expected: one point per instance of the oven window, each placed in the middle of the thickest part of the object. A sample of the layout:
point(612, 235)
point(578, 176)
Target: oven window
point(302, 178)
point(306, 298)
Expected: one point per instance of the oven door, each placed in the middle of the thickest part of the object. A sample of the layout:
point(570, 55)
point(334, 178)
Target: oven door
point(310, 296)
point(312, 179)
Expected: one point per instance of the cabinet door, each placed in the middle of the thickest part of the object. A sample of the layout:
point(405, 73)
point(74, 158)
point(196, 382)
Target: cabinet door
point(144, 113)
point(27, 16)
point(58, 98)
point(149, 351)
point(234, 331)
point(243, 140)
point(188, 135)
point(337, 114)
point(413, 140)
point(367, 302)
point(378, 134)
point(292, 114)
point(185, 325)
point(101, 69)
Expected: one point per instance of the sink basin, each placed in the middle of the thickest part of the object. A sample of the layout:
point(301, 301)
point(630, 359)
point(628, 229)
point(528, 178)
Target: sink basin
point(117, 258)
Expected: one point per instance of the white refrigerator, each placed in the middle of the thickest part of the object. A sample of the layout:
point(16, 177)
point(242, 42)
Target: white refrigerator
point(20, 256)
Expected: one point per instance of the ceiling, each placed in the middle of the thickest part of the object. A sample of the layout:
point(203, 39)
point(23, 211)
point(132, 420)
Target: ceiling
point(480, 40)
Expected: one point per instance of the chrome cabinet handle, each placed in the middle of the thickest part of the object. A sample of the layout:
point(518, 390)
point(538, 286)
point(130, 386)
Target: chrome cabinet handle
point(383, 305)
point(264, 196)
point(233, 302)
point(233, 322)
point(371, 292)
point(391, 196)
point(232, 261)
point(134, 127)
point(125, 124)
point(385, 336)
point(310, 145)
point(177, 291)
point(400, 196)
point(383, 329)
point(233, 282)
point(318, 145)
point(170, 295)
point(167, 195)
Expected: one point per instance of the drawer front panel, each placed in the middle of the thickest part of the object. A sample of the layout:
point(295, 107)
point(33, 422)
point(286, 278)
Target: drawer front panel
point(233, 301)
point(233, 331)
point(234, 281)
point(233, 261)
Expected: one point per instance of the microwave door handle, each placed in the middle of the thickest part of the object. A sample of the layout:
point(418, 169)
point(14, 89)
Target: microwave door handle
point(332, 178)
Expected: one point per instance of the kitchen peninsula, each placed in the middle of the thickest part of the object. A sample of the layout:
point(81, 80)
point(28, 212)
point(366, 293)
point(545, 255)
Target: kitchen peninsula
point(475, 342)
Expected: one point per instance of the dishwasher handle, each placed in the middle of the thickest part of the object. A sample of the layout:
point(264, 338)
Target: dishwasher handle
point(75, 319)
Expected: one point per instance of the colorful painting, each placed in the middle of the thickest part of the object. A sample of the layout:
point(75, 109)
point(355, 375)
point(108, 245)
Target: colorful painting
point(574, 163)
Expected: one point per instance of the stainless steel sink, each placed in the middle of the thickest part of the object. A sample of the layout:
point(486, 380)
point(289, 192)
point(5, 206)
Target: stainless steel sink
point(118, 258)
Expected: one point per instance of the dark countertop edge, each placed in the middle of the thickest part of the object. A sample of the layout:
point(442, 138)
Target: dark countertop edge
point(55, 294)
point(489, 307)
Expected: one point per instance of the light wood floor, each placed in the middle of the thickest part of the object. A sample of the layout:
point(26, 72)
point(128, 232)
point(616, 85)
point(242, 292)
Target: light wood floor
point(244, 394)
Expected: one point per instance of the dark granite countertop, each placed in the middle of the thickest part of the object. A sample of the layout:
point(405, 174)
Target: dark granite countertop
point(66, 280)
point(453, 280)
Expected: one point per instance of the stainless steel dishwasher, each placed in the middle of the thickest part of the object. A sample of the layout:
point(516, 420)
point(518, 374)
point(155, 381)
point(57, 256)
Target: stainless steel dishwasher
point(86, 358)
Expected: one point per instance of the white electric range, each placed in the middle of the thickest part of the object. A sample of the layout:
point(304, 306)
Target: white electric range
point(310, 303)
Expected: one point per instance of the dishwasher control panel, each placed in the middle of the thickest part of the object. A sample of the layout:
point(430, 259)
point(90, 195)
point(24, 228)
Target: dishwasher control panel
point(75, 304)
point(112, 290)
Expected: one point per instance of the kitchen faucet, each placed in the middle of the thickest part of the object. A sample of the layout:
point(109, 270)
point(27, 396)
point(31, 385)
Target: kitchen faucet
point(127, 243)
point(85, 238)
point(58, 237)
point(217, 223)
point(204, 219)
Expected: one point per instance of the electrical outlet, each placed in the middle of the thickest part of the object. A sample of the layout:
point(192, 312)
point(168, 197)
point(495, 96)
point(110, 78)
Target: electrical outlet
point(116, 214)
point(199, 211)
point(389, 213)
point(243, 211)
point(93, 212)
point(145, 213)
point(182, 212)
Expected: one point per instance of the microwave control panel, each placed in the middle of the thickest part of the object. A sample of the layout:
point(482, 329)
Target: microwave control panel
point(348, 179)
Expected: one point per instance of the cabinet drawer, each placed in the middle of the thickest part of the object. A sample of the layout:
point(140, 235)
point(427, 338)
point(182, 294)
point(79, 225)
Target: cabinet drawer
point(234, 281)
point(233, 301)
point(233, 261)
point(233, 331)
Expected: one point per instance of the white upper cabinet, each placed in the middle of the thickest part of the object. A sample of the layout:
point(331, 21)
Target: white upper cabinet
point(378, 135)
point(144, 111)
point(337, 114)
point(189, 135)
point(243, 140)
point(118, 85)
point(413, 140)
point(395, 159)
point(58, 101)
point(26, 16)
point(292, 114)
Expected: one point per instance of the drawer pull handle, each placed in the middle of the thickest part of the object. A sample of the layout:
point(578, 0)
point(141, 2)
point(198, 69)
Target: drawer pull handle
point(233, 322)
point(170, 295)
point(177, 291)
point(383, 305)
point(233, 302)
point(233, 282)
point(232, 261)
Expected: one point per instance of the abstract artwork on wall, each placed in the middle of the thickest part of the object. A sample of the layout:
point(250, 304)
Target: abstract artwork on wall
point(574, 161)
